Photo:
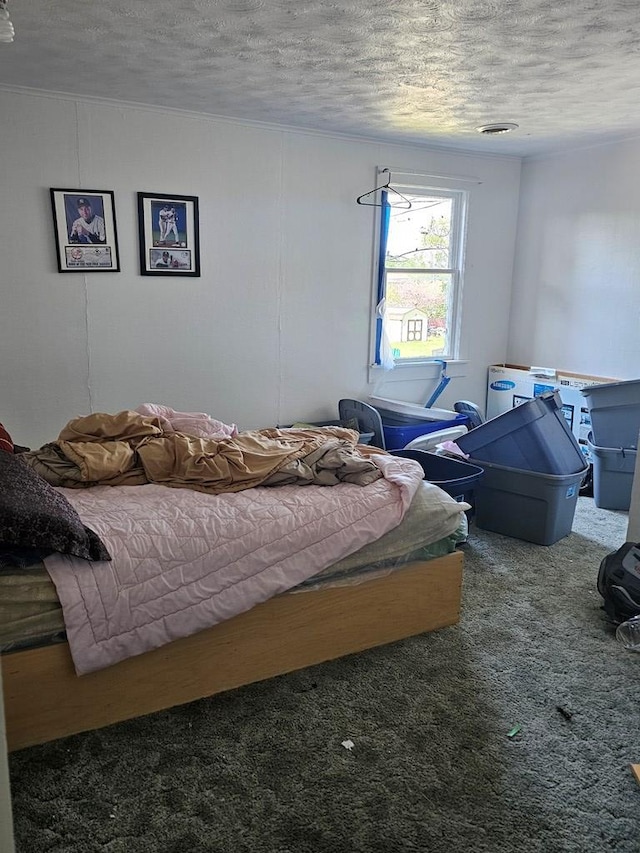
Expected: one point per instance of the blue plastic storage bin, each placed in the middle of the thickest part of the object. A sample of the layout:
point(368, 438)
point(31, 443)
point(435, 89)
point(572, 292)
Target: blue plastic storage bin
point(613, 469)
point(614, 408)
point(527, 505)
point(455, 476)
point(534, 436)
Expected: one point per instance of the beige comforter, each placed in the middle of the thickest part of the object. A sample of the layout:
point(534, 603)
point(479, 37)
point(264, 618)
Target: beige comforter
point(132, 449)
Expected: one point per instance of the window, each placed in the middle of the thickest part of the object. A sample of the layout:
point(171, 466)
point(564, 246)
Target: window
point(420, 274)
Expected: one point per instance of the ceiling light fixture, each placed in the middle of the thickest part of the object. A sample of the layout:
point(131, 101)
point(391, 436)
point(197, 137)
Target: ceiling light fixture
point(6, 27)
point(498, 127)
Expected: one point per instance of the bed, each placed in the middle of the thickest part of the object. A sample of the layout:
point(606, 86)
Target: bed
point(401, 577)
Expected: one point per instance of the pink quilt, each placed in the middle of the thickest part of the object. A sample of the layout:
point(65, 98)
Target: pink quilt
point(185, 560)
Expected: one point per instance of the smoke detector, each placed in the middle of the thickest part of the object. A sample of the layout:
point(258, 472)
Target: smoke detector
point(498, 127)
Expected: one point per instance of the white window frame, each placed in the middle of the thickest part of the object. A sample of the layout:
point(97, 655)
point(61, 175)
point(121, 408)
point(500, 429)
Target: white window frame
point(458, 188)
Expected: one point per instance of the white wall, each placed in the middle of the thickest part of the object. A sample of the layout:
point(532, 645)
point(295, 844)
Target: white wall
point(576, 292)
point(277, 328)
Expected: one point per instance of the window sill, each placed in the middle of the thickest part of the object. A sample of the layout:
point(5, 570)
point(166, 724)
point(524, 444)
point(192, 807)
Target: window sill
point(416, 371)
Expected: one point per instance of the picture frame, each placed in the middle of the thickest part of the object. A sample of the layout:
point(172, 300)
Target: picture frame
point(86, 234)
point(169, 234)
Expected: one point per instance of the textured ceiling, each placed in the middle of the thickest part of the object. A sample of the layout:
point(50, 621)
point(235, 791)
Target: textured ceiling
point(419, 71)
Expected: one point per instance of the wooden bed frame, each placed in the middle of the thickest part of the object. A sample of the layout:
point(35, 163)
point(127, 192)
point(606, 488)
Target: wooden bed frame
point(45, 699)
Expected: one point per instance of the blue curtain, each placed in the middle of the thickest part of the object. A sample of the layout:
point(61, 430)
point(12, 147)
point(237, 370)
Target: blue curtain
point(385, 217)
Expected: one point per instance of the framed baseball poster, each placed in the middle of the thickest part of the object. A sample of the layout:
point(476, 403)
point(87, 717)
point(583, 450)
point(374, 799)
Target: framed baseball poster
point(169, 234)
point(84, 224)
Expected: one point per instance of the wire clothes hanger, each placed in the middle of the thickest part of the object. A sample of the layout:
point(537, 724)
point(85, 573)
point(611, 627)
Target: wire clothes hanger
point(402, 202)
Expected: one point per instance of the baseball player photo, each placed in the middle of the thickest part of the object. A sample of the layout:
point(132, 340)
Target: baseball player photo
point(169, 224)
point(88, 224)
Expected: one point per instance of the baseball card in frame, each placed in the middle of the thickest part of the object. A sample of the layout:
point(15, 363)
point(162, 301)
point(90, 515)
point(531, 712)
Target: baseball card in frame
point(84, 224)
point(169, 234)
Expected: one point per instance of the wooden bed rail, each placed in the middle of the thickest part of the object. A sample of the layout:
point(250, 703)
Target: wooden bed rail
point(45, 699)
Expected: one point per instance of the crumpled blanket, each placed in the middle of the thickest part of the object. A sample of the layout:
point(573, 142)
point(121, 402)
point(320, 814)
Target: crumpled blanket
point(132, 449)
point(198, 424)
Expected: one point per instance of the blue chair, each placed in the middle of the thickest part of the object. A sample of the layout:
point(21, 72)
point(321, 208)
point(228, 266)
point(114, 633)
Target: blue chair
point(465, 407)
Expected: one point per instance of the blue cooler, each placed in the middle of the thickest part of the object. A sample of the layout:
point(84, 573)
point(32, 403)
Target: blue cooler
point(400, 429)
point(393, 430)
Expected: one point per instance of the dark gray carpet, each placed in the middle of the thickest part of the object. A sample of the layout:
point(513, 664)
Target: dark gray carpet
point(262, 769)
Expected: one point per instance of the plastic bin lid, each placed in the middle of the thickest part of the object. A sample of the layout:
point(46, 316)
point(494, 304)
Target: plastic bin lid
point(415, 411)
point(432, 439)
point(534, 475)
point(609, 386)
point(598, 450)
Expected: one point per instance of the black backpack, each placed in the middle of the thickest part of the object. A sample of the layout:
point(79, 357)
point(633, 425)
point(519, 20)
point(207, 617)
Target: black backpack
point(619, 582)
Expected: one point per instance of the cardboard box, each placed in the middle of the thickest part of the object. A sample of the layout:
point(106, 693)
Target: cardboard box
point(509, 385)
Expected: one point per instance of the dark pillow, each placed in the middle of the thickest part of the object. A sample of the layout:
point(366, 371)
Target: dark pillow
point(34, 515)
